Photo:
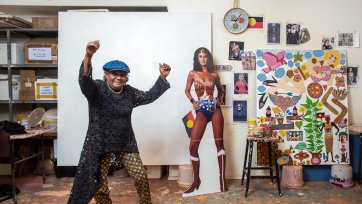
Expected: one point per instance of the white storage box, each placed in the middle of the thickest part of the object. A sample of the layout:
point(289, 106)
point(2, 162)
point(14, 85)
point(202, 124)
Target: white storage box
point(185, 175)
point(46, 89)
point(17, 53)
point(51, 120)
point(154, 171)
point(4, 91)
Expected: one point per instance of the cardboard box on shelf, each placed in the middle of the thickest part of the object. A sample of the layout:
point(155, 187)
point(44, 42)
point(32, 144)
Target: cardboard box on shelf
point(17, 53)
point(41, 51)
point(23, 118)
point(46, 89)
point(27, 80)
point(4, 85)
point(50, 22)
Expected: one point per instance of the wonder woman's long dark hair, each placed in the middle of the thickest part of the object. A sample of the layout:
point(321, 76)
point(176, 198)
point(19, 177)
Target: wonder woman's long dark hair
point(210, 62)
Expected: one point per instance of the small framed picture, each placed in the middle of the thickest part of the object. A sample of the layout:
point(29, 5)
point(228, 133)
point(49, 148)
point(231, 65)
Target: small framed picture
point(352, 76)
point(350, 39)
point(236, 49)
point(293, 34)
point(327, 43)
point(273, 33)
point(240, 83)
point(240, 111)
point(248, 60)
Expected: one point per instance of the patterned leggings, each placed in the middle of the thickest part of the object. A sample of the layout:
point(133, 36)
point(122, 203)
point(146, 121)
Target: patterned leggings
point(135, 169)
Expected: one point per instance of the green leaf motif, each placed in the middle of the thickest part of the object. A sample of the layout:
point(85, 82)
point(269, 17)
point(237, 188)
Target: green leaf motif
point(299, 124)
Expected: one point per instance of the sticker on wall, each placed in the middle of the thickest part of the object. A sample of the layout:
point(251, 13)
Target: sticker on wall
point(224, 68)
point(256, 22)
point(305, 97)
point(273, 35)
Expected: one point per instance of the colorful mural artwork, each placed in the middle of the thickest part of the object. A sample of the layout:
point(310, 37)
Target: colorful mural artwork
point(303, 95)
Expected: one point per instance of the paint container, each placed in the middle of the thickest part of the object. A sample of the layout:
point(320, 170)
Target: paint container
point(258, 131)
point(251, 125)
point(292, 176)
point(184, 175)
point(341, 175)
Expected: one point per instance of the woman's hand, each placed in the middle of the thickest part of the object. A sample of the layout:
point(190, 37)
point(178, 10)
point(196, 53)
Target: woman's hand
point(195, 104)
point(218, 101)
point(92, 47)
point(164, 70)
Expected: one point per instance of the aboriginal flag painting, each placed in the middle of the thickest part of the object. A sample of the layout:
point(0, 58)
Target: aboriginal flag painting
point(303, 95)
point(188, 121)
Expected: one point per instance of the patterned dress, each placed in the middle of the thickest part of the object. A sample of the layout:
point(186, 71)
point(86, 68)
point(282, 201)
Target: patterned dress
point(109, 129)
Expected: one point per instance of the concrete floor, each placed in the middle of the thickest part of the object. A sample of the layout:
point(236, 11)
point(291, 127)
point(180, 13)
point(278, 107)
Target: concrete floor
point(165, 191)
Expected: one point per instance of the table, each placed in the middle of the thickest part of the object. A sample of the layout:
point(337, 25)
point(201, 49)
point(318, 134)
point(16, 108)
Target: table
point(31, 133)
point(357, 131)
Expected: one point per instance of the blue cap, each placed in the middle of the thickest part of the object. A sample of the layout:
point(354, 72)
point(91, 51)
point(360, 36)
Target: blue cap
point(116, 65)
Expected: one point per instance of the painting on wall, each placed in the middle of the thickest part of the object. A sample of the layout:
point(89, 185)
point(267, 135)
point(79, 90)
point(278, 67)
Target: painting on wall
point(303, 95)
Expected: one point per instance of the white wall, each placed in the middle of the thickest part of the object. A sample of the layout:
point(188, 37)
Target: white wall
point(320, 17)
point(323, 17)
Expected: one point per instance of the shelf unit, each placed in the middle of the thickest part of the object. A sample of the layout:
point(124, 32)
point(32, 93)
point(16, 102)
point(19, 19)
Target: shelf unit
point(10, 34)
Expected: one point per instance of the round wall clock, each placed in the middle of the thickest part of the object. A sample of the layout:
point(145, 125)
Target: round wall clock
point(236, 20)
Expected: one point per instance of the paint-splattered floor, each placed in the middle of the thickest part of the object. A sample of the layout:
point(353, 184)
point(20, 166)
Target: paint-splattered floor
point(165, 191)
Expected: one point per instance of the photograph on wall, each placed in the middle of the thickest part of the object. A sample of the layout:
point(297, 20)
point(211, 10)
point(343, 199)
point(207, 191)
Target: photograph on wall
point(327, 43)
point(248, 60)
point(302, 94)
point(256, 22)
point(228, 90)
point(240, 109)
point(293, 34)
point(304, 36)
point(352, 76)
point(236, 49)
point(273, 35)
point(240, 83)
point(350, 39)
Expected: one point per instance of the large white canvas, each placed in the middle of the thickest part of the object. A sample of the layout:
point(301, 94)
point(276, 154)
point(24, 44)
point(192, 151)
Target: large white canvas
point(142, 40)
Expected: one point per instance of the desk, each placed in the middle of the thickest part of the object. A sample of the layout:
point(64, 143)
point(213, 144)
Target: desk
point(32, 133)
point(357, 131)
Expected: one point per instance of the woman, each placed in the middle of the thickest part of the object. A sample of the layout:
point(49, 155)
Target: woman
point(328, 135)
point(110, 103)
point(241, 86)
point(207, 109)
